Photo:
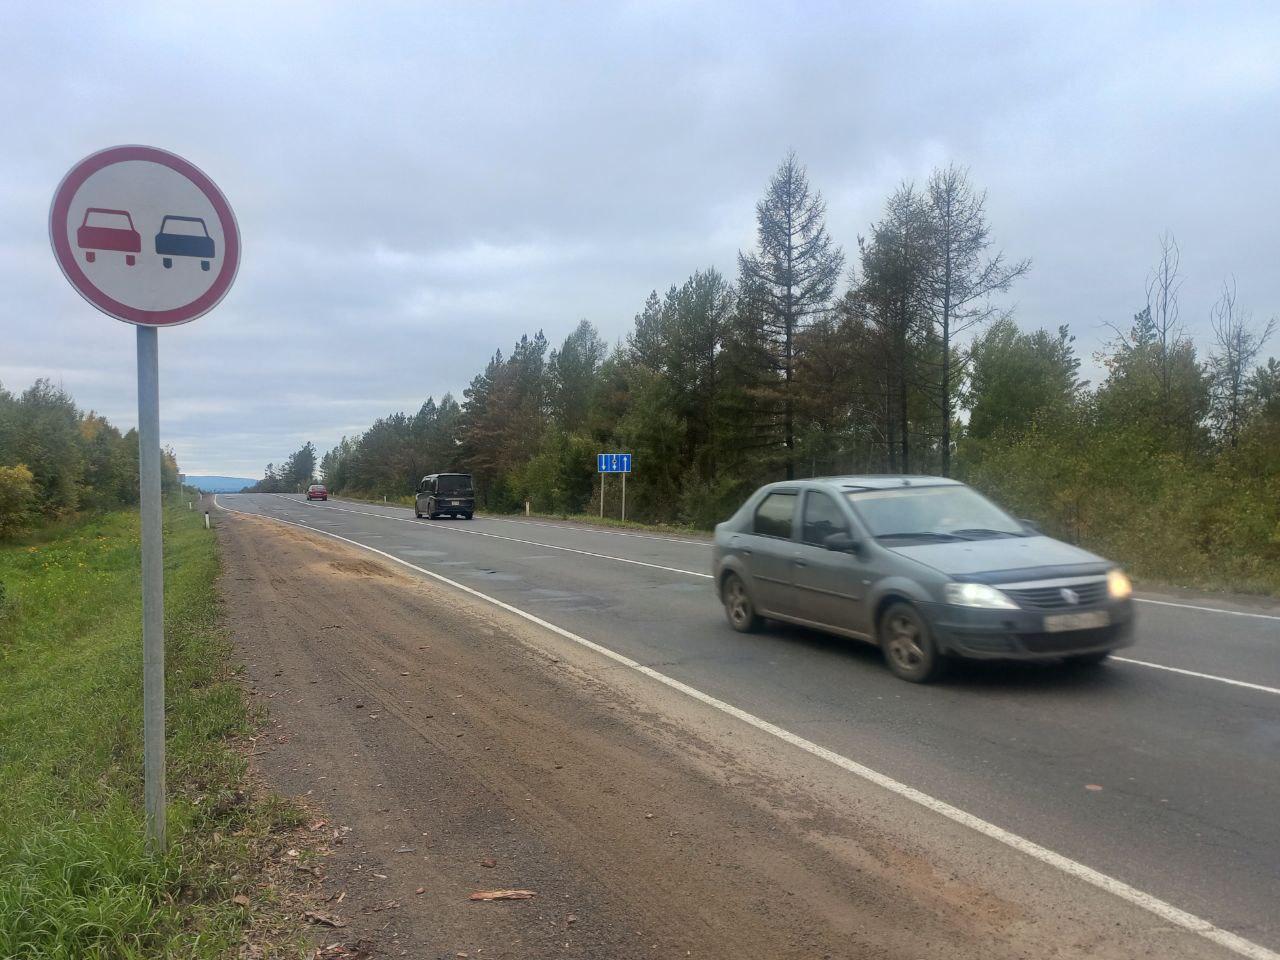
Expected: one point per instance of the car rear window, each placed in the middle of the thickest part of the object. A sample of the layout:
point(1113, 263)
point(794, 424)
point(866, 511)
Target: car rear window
point(453, 483)
point(773, 516)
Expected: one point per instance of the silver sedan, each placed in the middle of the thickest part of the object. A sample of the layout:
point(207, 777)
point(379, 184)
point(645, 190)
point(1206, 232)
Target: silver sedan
point(925, 567)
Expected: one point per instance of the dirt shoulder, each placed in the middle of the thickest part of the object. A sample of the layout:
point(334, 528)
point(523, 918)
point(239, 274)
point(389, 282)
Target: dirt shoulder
point(458, 749)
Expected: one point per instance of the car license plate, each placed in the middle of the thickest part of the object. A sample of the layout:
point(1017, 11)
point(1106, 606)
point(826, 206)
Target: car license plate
point(1089, 620)
point(455, 503)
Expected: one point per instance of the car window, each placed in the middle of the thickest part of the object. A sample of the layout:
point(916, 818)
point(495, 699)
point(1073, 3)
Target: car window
point(951, 510)
point(453, 483)
point(822, 517)
point(773, 516)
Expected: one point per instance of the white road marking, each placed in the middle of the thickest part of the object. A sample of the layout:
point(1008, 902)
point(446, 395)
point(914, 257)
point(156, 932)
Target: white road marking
point(1126, 892)
point(604, 530)
point(495, 536)
point(696, 543)
point(1202, 676)
point(1192, 606)
point(694, 573)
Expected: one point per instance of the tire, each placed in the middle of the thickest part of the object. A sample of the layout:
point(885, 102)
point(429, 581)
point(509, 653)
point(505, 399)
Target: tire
point(466, 516)
point(90, 255)
point(738, 607)
point(908, 647)
point(416, 514)
point(168, 262)
point(130, 259)
point(204, 265)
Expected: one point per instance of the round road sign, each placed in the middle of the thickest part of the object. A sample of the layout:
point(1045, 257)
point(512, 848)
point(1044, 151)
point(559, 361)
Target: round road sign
point(144, 236)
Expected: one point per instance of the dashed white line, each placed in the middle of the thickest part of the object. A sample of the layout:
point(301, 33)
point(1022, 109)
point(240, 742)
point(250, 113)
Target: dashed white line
point(707, 576)
point(531, 543)
point(611, 533)
point(1126, 892)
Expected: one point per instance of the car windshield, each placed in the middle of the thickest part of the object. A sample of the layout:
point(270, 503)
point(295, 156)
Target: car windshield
point(936, 514)
point(453, 483)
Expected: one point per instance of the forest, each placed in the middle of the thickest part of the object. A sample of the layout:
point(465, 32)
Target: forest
point(57, 461)
point(894, 356)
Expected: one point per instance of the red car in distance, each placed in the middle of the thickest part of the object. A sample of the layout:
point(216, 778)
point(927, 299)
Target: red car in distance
point(317, 491)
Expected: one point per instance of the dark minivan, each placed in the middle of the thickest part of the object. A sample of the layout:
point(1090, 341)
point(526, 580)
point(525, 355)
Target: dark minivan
point(445, 494)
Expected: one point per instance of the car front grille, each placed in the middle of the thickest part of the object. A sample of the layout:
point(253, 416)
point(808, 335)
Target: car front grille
point(1057, 598)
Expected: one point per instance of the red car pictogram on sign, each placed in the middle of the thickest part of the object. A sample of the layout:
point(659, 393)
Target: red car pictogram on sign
point(108, 232)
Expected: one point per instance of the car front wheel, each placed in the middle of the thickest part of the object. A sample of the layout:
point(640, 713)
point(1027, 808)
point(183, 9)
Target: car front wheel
point(738, 606)
point(908, 645)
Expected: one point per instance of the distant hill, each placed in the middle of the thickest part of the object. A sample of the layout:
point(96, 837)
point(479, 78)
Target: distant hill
point(220, 484)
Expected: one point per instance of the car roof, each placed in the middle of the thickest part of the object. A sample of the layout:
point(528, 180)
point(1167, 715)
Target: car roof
point(885, 481)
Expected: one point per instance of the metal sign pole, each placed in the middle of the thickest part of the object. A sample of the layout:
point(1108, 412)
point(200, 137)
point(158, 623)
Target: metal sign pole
point(152, 583)
point(624, 496)
point(602, 476)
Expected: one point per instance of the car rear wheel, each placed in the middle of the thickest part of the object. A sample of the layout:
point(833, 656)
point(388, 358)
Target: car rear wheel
point(908, 646)
point(466, 516)
point(738, 606)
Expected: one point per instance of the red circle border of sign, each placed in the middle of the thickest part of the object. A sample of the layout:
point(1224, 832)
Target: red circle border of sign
point(84, 286)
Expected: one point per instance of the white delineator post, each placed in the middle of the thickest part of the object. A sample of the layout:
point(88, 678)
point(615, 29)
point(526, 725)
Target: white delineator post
point(152, 584)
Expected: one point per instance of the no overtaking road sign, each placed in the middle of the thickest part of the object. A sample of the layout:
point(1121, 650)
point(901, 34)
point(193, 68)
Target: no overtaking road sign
point(147, 238)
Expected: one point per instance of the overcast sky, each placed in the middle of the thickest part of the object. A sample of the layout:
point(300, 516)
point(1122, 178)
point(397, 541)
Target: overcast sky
point(417, 185)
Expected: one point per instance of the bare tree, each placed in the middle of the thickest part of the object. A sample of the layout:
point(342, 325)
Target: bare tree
point(793, 274)
point(960, 282)
point(1237, 347)
point(1163, 284)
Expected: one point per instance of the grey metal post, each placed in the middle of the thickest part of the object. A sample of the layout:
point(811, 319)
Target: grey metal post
point(152, 584)
point(624, 497)
point(602, 476)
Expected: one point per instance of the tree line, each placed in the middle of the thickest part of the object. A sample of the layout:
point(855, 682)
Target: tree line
point(57, 460)
point(293, 476)
point(902, 360)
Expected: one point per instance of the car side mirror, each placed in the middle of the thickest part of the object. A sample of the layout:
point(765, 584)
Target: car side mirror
point(840, 542)
point(1032, 527)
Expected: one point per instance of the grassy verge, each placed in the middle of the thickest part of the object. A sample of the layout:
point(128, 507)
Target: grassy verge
point(75, 879)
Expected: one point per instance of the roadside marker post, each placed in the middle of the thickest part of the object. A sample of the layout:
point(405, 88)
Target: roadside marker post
point(607, 463)
point(146, 237)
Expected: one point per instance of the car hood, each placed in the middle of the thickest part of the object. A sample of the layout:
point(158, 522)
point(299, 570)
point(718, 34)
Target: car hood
point(1004, 560)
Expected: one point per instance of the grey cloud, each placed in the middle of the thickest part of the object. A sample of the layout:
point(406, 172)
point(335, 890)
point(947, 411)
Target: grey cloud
point(484, 171)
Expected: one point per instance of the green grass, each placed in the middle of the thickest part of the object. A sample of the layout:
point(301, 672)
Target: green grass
point(76, 881)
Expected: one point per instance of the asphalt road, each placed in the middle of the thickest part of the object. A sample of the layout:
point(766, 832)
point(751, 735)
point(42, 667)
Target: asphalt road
point(1161, 769)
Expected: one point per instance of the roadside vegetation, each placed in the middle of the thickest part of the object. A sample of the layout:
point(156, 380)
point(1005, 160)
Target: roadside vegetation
point(58, 461)
point(896, 356)
point(75, 879)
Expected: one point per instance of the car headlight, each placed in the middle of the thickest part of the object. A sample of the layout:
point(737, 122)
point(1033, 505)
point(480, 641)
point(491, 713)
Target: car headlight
point(978, 595)
point(1118, 585)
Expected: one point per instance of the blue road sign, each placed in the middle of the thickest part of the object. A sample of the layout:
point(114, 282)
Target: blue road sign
point(613, 463)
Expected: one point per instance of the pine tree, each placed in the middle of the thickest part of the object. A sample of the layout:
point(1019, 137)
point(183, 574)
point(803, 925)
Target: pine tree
point(791, 276)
